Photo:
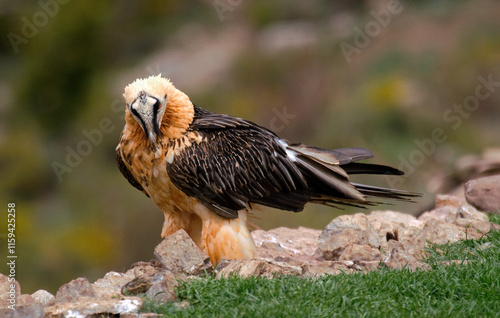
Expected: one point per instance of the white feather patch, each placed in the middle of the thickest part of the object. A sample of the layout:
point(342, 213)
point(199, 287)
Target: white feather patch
point(292, 155)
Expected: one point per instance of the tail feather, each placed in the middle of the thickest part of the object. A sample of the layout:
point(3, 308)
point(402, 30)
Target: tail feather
point(333, 156)
point(380, 192)
point(370, 168)
point(326, 180)
point(327, 173)
point(352, 154)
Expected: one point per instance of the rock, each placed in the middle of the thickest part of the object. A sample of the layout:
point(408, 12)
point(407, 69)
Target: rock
point(346, 230)
point(468, 212)
point(26, 300)
point(445, 204)
point(138, 285)
point(414, 239)
point(448, 201)
point(11, 297)
point(327, 268)
point(73, 290)
point(146, 268)
point(439, 232)
point(467, 216)
point(357, 252)
point(454, 211)
point(475, 228)
point(90, 306)
point(9, 292)
point(495, 227)
point(272, 246)
point(103, 298)
point(43, 297)
point(453, 219)
point(153, 281)
point(253, 267)
point(379, 217)
point(293, 241)
point(111, 284)
point(280, 255)
point(29, 311)
point(484, 193)
point(368, 265)
point(179, 254)
point(349, 243)
point(164, 290)
point(295, 247)
point(398, 257)
point(392, 225)
point(141, 315)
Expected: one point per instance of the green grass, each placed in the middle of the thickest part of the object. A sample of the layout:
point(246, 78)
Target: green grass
point(467, 288)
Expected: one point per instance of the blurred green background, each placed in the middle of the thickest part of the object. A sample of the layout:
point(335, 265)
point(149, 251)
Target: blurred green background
point(332, 74)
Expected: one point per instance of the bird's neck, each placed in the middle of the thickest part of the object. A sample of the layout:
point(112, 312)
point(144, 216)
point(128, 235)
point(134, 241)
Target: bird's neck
point(178, 115)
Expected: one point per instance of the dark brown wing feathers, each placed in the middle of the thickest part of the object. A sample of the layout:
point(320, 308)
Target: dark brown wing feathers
point(228, 171)
point(239, 163)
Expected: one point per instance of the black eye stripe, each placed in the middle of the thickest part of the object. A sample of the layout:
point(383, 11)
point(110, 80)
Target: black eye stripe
point(156, 107)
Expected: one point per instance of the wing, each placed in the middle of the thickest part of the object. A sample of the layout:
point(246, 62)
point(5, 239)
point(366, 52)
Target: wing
point(126, 173)
point(239, 163)
point(236, 164)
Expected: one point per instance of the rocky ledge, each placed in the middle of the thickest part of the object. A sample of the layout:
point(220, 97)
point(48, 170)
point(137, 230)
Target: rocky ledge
point(350, 243)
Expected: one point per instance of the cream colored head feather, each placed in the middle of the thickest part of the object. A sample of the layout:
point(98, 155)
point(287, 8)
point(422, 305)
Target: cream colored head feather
point(154, 85)
point(155, 105)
